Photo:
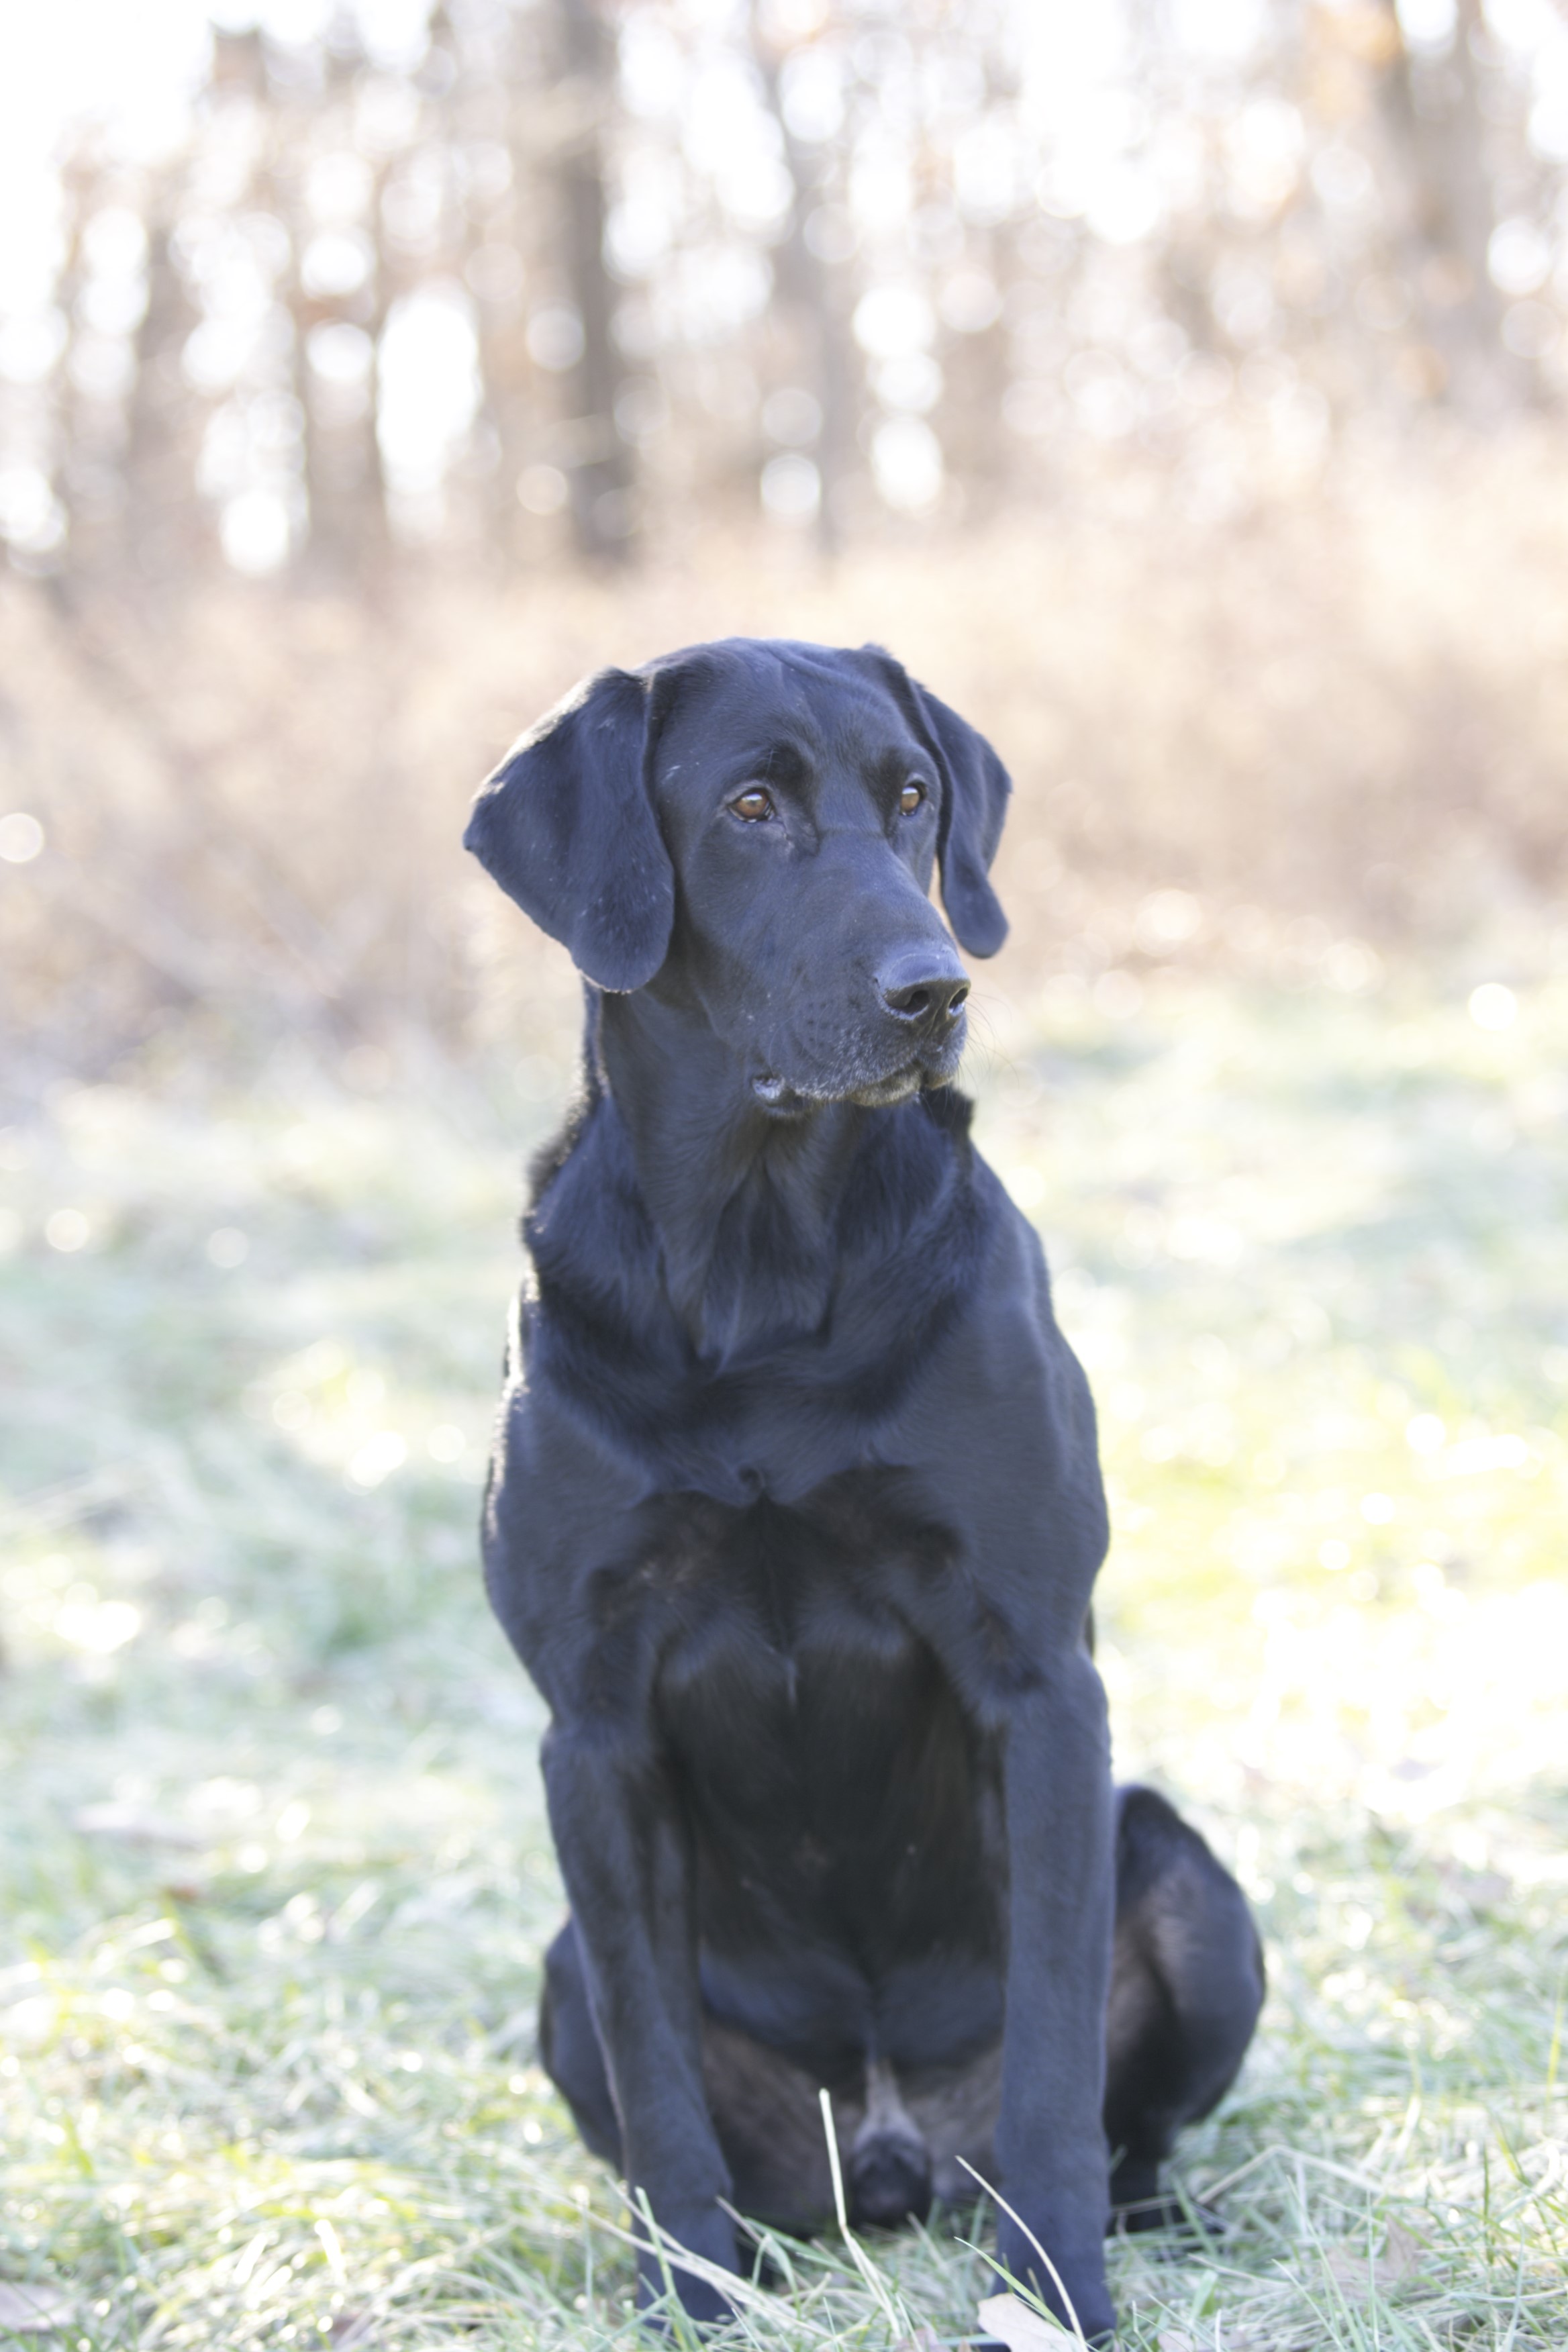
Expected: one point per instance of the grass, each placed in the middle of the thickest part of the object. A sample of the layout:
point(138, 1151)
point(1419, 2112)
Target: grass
point(275, 1871)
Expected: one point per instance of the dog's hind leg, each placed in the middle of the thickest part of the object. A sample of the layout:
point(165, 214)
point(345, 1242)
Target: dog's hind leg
point(569, 2048)
point(766, 2111)
point(1186, 1986)
point(768, 2116)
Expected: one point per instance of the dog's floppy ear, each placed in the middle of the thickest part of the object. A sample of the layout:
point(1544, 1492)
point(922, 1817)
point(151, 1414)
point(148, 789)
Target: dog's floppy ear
point(566, 826)
point(976, 786)
point(974, 809)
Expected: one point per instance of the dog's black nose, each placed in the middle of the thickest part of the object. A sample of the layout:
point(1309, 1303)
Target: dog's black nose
point(925, 998)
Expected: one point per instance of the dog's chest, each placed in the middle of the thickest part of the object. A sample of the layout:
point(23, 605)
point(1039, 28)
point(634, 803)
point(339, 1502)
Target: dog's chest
point(826, 1767)
point(773, 1607)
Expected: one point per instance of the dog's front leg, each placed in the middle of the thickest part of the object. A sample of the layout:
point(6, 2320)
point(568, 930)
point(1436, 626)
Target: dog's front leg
point(1050, 2140)
point(627, 1871)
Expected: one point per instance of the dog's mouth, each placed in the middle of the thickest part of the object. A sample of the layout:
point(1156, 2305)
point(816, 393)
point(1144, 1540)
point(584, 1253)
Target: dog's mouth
point(897, 1087)
point(787, 1100)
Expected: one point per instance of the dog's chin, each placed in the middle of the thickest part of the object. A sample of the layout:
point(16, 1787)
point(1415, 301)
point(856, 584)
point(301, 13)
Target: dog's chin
point(884, 1092)
point(787, 1100)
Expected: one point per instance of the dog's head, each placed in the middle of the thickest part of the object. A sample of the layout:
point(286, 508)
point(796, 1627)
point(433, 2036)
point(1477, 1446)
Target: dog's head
point(752, 826)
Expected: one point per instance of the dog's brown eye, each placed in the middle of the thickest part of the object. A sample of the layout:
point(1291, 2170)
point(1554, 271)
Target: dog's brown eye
point(754, 805)
point(912, 796)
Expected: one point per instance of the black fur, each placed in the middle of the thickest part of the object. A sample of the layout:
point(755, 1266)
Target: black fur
point(796, 1509)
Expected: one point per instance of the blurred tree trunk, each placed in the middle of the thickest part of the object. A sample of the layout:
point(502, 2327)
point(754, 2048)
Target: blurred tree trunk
point(514, 231)
point(87, 488)
point(812, 291)
point(344, 478)
point(601, 477)
point(166, 530)
point(1433, 111)
point(345, 482)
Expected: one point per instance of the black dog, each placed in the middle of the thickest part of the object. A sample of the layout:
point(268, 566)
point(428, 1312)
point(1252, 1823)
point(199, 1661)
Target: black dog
point(795, 1510)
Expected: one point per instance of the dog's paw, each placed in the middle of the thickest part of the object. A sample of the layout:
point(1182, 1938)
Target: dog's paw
point(665, 2279)
point(1071, 2285)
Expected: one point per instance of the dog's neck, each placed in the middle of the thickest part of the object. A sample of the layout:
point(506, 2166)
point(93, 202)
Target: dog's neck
point(744, 1201)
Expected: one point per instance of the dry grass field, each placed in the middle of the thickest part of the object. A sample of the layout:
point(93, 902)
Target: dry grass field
point(276, 1876)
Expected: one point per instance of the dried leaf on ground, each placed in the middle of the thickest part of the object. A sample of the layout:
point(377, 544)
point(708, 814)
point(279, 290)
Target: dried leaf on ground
point(1021, 2329)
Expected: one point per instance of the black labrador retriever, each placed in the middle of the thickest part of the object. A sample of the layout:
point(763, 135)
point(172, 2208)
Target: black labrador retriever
point(795, 1510)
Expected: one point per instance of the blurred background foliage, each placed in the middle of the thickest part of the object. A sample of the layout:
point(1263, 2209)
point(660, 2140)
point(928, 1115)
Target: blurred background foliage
point(1177, 384)
point(510, 275)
